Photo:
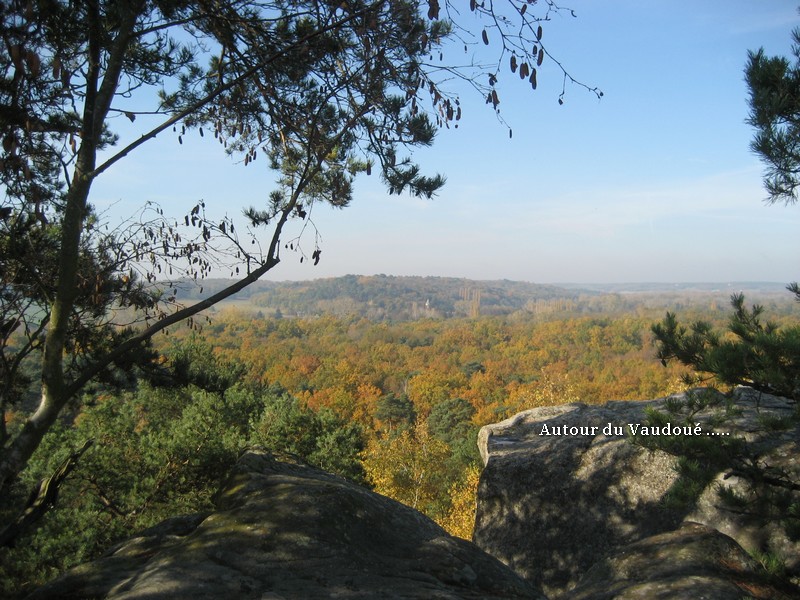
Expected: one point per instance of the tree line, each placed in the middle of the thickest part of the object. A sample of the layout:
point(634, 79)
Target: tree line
point(318, 92)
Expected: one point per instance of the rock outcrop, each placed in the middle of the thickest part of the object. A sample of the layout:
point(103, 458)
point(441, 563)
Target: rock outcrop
point(692, 562)
point(290, 531)
point(566, 501)
point(564, 490)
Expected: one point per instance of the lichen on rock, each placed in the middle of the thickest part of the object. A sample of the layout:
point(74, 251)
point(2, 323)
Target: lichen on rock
point(284, 530)
point(551, 504)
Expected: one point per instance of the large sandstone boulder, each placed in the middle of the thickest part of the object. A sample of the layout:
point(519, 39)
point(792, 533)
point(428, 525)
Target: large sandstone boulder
point(691, 562)
point(291, 531)
point(564, 488)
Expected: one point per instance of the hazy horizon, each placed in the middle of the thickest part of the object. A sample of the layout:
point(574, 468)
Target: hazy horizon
point(756, 283)
point(654, 182)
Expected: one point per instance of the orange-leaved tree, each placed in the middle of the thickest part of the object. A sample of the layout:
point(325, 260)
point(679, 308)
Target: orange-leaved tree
point(323, 91)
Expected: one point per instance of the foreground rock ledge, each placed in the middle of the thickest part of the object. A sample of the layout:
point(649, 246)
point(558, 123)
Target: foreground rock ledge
point(552, 506)
point(291, 531)
point(689, 563)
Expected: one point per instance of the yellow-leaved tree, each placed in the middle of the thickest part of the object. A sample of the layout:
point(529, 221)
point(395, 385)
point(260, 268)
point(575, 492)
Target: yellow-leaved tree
point(406, 466)
point(460, 519)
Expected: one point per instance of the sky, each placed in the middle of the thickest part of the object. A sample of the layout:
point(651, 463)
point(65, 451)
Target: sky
point(655, 182)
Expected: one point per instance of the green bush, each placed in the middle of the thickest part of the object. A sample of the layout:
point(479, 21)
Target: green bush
point(158, 453)
point(751, 353)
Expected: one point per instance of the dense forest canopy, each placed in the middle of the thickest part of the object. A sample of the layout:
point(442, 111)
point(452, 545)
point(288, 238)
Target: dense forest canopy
point(319, 92)
point(392, 404)
point(105, 428)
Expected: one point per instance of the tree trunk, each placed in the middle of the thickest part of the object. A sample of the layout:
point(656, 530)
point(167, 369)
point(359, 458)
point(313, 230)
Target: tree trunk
point(100, 90)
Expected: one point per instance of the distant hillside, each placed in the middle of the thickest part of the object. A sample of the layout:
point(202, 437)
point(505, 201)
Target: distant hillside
point(382, 297)
point(391, 298)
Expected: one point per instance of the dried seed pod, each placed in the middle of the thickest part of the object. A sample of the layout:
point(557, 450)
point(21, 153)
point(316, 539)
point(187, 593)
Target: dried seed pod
point(34, 62)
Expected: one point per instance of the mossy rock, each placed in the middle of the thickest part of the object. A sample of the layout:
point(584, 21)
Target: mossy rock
point(286, 530)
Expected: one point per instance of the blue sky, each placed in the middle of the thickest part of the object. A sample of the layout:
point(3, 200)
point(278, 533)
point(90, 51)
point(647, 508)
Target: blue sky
point(655, 182)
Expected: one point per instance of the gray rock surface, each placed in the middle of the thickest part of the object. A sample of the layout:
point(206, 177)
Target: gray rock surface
point(576, 512)
point(291, 531)
point(690, 563)
point(553, 502)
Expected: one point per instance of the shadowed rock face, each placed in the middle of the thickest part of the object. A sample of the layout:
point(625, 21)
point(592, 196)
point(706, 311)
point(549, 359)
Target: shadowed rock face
point(580, 515)
point(691, 562)
point(291, 531)
point(552, 505)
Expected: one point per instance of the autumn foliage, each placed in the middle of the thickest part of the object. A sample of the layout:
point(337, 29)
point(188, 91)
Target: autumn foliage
point(395, 405)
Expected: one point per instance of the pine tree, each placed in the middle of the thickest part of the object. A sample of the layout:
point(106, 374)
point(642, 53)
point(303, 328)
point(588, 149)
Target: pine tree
point(324, 91)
